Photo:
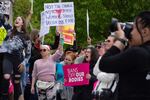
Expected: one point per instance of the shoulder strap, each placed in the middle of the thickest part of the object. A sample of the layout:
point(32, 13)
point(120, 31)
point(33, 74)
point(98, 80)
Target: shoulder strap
point(112, 84)
point(115, 80)
point(98, 85)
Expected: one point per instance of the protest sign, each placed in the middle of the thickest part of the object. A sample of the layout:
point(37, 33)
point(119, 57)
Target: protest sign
point(43, 29)
point(68, 38)
point(68, 33)
point(59, 14)
point(68, 29)
point(5, 7)
point(75, 74)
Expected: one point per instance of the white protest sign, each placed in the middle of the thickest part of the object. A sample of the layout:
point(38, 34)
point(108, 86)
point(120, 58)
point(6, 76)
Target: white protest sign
point(5, 7)
point(59, 14)
point(43, 29)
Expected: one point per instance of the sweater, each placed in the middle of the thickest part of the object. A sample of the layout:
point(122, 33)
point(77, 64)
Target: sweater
point(45, 69)
point(106, 79)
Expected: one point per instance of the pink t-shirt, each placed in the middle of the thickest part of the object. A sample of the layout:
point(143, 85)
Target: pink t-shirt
point(45, 69)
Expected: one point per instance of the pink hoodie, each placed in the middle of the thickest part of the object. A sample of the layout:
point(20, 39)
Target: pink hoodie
point(45, 69)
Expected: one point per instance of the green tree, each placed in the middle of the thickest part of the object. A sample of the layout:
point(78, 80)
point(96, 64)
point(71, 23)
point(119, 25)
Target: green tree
point(100, 13)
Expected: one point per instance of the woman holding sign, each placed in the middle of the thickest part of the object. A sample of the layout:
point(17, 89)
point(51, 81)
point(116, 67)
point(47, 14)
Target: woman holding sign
point(84, 92)
point(67, 91)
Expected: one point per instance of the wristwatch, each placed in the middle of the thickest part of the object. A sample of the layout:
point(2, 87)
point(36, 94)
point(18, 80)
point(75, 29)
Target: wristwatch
point(123, 41)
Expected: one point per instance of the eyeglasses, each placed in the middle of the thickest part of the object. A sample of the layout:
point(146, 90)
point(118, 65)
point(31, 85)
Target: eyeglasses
point(43, 50)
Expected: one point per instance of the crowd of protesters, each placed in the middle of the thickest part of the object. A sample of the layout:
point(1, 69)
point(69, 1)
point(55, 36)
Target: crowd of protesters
point(28, 70)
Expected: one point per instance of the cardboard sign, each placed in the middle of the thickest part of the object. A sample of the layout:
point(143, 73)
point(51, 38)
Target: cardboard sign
point(75, 74)
point(5, 7)
point(68, 38)
point(68, 33)
point(43, 29)
point(59, 14)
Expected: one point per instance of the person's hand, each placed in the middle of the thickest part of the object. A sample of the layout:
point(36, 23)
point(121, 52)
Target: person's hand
point(88, 76)
point(59, 29)
point(32, 90)
point(60, 47)
point(121, 36)
point(89, 40)
point(57, 33)
point(61, 40)
point(30, 12)
point(120, 33)
point(74, 34)
point(21, 68)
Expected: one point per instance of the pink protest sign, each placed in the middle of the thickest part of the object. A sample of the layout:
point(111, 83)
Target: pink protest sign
point(75, 74)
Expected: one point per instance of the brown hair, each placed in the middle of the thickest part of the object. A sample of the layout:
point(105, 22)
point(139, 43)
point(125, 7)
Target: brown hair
point(94, 55)
point(34, 34)
point(23, 28)
point(71, 54)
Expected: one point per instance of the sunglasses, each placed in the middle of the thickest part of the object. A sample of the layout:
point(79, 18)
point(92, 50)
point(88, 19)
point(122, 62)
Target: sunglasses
point(43, 50)
point(98, 46)
point(107, 41)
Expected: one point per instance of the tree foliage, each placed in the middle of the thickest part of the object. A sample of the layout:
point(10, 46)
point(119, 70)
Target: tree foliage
point(100, 14)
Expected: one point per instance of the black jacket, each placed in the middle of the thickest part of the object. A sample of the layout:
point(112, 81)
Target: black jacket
point(132, 65)
point(84, 92)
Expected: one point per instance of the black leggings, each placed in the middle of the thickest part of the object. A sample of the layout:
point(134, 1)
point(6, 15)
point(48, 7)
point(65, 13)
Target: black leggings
point(10, 66)
point(1, 73)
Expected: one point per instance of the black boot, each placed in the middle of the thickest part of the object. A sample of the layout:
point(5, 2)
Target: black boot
point(4, 89)
point(17, 91)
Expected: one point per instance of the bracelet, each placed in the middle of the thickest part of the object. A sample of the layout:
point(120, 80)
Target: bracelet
point(123, 41)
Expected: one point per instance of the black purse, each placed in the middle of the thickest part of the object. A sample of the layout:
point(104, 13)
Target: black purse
point(105, 94)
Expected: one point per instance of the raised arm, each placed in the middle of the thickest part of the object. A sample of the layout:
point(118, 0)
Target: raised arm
point(28, 18)
point(56, 42)
point(57, 55)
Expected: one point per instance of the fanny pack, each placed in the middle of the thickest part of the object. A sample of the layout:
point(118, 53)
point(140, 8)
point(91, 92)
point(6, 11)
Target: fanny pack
point(44, 85)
